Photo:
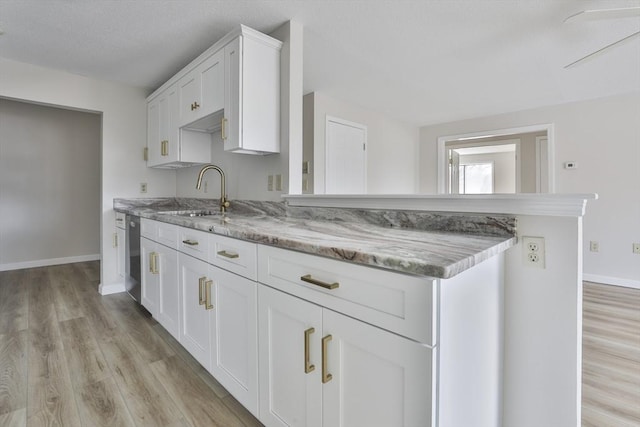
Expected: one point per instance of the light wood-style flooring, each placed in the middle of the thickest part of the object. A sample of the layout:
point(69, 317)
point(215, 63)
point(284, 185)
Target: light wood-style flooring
point(70, 357)
point(610, 356)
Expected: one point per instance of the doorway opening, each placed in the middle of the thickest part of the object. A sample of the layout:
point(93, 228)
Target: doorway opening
point(506, 161)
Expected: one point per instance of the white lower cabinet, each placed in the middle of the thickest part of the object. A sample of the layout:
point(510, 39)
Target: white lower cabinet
point(290, 360)
point(321, 368)
point(160, 292)
point(218, 326)
point(234, 336)
point(195, 321)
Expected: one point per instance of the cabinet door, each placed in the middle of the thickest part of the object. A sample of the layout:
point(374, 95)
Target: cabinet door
point(168, 132)
point(188, 97)
point(232, 95)
point(211, 73)
point(378, 378)
point(234, 341)
point(153, 132)
point(168, 309)
point(149, 273)
point(121, 251)
point(195, 322)
point(290, 386)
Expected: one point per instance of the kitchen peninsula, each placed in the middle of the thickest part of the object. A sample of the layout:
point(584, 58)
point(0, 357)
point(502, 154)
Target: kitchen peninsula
point(446, 308)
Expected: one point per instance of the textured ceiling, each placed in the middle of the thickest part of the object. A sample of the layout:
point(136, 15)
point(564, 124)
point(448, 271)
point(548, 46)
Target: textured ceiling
point(425, 61)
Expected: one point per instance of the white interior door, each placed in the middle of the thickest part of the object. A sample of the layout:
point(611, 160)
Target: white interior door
point(346, 163)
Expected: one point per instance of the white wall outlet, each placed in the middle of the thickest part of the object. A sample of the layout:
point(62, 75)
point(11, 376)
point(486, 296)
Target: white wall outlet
point(594, 246)
point(305, 166)
point(636, 248)
point(270, 183)
point(143, 187)
point(533, 251)
point(278, 182)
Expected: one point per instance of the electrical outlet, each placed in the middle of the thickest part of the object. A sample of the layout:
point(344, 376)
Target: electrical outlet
point(533, 251)
point(305, 166)
point(636, 248)
point(270, 183)
point(143, 187)
point(594, 246)
point(278, 182)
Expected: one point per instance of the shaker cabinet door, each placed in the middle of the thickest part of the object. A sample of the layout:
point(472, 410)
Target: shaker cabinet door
point(290, 360)
point(378, 379)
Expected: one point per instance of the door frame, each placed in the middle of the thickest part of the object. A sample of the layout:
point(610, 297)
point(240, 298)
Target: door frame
point(441, 151)
point(463, 144)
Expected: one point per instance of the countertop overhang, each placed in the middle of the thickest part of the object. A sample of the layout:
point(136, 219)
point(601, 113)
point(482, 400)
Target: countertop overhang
point(349, 236)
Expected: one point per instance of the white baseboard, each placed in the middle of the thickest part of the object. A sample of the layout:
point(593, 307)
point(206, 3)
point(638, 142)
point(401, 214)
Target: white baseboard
point(47, 262)
point(113, 288)
point(607, 280)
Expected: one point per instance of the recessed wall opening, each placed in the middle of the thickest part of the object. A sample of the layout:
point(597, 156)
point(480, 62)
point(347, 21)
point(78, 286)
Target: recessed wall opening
point(50, 185)
point(507, 161)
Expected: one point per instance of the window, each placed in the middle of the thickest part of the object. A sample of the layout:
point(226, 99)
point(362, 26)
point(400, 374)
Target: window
point(476, 178)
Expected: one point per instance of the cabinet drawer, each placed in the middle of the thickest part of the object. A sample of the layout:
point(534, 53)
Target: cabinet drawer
point(148, 228)
point(194, 243)
point(167, 234)
point(234, 255)
point(120, 218)
point(406, 305)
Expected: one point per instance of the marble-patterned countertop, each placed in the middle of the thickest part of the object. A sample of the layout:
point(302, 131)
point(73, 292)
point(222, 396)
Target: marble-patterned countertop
point(418, 243)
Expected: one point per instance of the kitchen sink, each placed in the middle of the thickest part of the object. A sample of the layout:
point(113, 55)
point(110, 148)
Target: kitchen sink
point(194, 213)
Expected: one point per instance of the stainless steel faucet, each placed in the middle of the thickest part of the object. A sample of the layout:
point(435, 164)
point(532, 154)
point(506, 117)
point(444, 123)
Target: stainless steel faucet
point(224, 203)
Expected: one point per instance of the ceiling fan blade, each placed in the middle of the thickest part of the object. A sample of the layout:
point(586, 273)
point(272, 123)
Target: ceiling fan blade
point(601, 50)
point(589, 15)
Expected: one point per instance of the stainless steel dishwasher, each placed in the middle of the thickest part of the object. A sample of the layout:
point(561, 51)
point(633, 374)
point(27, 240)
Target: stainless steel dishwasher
point(133, 279)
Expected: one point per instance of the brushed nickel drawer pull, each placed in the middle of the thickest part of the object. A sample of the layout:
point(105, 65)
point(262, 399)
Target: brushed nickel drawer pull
point(307, 278)
point(190, 242)
point(308, 367)
point(201, 290)
point(207, 285)
point(326, 376)
point(228, 254)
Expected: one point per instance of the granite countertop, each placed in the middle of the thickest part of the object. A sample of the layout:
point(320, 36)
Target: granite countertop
point(413, 242)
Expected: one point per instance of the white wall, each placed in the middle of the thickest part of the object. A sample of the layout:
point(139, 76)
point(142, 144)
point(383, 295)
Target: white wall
point(48, 163)
point(391, 146)
point(603, 136)
point(123, 111)
point(247, 174)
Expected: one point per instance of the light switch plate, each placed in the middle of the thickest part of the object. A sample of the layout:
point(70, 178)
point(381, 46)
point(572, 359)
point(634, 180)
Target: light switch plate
point(278, 182)
point(270, 183)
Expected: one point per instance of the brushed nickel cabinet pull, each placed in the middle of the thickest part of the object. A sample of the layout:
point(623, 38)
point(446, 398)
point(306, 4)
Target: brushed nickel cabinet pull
point(201, 290)
point(307, 278)
point(223, 131)
point(190, 242)
point(228, 254)
point(207, 286)
point(326, 376)
point(308, 367)
point(153, 263)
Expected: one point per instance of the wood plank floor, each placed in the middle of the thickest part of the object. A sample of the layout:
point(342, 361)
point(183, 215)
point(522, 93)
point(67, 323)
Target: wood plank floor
point(70, 357)
point(610, 356)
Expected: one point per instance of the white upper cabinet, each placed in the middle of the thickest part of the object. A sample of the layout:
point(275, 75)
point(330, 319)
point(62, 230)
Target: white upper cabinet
point(201, 92)
point(232, 88)
point(168, 146)
point(252, 94)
